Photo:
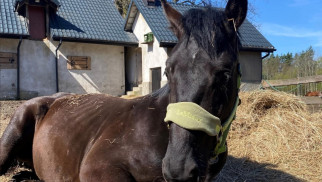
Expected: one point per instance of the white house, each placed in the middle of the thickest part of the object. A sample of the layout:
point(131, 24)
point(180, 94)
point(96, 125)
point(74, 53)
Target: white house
point(146, 16)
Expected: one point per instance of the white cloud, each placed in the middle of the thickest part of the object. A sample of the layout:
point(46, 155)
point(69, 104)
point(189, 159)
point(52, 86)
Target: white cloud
point(280, 30)
point(303, 2)
point(319, 43)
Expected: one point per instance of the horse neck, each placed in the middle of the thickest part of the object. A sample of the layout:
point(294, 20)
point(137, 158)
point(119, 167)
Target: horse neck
point(159, 99)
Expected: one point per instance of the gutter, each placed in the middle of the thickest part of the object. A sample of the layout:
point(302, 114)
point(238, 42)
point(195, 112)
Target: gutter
point(18, 68)
point(56, 64)
point(92, 41)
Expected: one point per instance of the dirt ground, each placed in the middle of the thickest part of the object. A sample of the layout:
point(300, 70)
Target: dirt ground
point(7, 108)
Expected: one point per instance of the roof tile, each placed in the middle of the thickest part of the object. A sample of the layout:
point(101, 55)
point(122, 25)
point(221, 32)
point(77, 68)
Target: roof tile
point(10, 21)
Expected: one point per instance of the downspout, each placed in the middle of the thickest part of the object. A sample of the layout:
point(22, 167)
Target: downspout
point(56, 64)
point(18, 68)
point(267, 54)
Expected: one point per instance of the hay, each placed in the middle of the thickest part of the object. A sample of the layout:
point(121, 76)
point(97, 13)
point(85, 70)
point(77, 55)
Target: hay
point(276, 133)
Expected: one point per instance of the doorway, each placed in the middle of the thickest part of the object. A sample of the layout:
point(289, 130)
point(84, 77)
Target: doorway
point(156, 78)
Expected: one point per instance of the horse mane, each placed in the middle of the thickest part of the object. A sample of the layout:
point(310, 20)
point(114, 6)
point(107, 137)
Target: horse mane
point(205, 26)
point(163, 91)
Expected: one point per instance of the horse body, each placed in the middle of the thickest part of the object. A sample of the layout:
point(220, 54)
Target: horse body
point(104, 144)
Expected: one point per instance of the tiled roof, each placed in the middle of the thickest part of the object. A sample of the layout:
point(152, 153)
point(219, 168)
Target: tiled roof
point(11, 24)
point(75, 20)
point(90, 20)
point(251, 38)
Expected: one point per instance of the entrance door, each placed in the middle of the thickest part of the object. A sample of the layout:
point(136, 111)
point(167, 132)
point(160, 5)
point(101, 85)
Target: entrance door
point(156, 79)
point(133, 67)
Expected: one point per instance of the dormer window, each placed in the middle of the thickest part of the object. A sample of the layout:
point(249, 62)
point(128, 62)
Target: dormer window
point(37, 12)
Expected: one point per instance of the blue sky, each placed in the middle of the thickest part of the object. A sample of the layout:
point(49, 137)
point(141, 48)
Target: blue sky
point(290, 25)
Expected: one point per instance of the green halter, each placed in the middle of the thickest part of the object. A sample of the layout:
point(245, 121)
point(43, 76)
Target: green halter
point(191, 116)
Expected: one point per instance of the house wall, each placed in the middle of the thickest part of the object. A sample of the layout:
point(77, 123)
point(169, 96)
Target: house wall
point(251, 66)
point(37, 69)
point(153, 56)
point(106, 74)
point(8, 77)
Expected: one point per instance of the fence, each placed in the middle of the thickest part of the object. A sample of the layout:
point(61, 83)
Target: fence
point(297, 86)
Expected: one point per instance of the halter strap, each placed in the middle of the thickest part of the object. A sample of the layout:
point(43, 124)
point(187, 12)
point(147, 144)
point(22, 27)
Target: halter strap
point(232, 19)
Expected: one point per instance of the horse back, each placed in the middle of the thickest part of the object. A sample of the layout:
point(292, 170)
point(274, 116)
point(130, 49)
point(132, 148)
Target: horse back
point(90, 130)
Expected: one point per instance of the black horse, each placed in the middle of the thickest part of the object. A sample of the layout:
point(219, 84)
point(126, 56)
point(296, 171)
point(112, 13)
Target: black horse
point(96, 137)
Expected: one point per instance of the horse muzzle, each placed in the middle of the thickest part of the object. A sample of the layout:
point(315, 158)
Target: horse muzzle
point(173, 173)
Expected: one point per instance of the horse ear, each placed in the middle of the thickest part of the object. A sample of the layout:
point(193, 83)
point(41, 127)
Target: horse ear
point(174, 17)
point(237, 10)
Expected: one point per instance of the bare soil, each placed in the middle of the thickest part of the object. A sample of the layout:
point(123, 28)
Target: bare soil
point(7, 109)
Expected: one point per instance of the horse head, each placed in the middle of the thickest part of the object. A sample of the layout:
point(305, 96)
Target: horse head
point(202, 74)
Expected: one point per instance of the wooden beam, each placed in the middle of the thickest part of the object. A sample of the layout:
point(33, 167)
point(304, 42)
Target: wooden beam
point(296, 81)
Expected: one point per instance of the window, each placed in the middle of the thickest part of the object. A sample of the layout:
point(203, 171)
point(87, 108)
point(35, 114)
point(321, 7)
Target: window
point(8, 60)
point(79, 63)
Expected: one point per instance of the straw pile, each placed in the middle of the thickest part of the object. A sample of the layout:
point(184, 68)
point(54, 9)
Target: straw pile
point(274, 138)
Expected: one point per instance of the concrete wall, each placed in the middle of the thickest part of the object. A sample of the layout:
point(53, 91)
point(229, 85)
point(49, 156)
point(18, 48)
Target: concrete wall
point(251, 66)
point(37, 68)
point(8, 77)
point(106, 74)
point(153, 56)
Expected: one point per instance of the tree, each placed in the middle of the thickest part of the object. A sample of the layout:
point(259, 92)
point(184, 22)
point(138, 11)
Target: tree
point(306, 66)
point(319, 64)
point(271, 67)
point(122, 6)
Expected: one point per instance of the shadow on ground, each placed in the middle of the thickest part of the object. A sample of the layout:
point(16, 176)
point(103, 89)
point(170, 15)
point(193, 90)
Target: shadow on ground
point(242, 169)
point(235, 170)
point(25, 176)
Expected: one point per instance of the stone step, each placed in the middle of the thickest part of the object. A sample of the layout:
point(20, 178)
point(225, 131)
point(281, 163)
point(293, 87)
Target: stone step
point(133, 93)
point(137, 89)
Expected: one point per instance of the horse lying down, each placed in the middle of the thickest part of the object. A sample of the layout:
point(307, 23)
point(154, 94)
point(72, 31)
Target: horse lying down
point(175, 134)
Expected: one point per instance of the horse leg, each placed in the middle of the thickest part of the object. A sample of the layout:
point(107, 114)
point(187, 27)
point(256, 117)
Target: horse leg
point(16, 141)
point(110, 173)
point(16, 138)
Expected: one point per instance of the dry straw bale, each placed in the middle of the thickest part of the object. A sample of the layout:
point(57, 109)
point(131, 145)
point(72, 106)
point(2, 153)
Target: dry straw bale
point(274, 128)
